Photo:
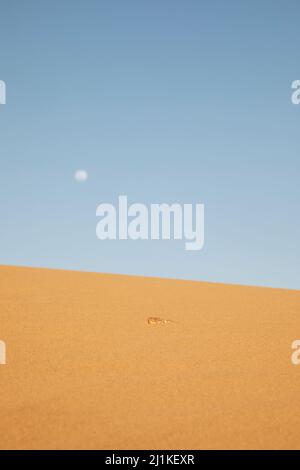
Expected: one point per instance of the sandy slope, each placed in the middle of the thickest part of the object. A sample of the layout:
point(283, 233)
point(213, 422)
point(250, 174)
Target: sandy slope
point(86, 370)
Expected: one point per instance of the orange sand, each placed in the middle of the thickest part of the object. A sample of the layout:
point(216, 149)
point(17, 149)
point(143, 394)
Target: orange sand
point(85, 369)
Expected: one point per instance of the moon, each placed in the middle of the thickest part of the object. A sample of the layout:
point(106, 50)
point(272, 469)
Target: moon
point(81, 176)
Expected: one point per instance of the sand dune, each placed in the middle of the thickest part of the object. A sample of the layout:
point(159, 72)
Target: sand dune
point(91, 363)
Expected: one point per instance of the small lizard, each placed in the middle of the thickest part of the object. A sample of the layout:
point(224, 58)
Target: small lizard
point(158, 321)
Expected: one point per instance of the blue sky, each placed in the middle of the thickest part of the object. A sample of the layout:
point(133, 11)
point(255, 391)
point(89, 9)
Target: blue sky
point(164, 101)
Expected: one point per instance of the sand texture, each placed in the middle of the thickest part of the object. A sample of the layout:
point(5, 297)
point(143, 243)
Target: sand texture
point(100, 361)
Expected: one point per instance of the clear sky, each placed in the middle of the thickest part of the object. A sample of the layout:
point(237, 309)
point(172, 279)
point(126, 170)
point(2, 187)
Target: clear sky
point(164, 101)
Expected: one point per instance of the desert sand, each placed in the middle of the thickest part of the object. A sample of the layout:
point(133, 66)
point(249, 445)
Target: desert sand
point(92, 363)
